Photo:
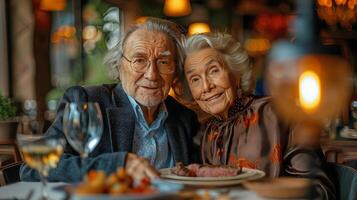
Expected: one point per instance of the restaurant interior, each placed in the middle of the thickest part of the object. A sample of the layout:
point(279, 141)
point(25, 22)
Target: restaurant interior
point(47, 46)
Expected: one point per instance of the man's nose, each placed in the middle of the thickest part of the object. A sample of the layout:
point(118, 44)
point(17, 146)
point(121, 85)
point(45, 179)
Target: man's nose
point(152, 73)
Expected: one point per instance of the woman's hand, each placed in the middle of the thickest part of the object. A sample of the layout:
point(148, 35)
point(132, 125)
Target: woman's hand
point(139, 167)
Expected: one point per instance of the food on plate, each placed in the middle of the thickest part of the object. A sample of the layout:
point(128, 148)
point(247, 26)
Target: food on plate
point(118, 183)
point(198, 170)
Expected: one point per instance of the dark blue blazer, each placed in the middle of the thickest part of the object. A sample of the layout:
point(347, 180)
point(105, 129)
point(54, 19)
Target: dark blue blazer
point(117, 139)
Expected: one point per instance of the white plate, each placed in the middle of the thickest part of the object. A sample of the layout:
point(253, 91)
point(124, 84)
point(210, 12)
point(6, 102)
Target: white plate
point(248, 174)
point(167, 174)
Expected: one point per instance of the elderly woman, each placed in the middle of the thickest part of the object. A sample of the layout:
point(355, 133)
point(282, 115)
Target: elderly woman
point(243, 130)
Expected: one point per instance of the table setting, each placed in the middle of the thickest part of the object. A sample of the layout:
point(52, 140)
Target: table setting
point(249, 184)
point(32, 191)
point(83, 124)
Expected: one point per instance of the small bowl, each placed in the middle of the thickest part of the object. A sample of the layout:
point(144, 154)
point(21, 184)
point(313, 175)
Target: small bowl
point(284, 187)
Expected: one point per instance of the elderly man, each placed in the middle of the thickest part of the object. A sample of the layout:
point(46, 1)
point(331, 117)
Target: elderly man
point(143, 126)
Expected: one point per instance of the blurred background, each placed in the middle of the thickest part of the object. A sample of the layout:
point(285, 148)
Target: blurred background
point(48, 45)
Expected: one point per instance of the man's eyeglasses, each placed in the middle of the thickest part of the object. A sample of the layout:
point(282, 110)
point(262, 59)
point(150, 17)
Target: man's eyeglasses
point(141, 64)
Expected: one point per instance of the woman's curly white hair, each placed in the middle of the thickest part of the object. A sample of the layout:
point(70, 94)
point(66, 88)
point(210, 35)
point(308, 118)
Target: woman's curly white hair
point(235, 56)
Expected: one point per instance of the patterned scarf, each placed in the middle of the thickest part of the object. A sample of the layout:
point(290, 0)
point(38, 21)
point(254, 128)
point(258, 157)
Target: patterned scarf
point(218, 129)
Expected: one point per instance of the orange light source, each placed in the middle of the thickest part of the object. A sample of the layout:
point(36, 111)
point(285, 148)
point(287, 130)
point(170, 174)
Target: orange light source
point(351, 4)
point(309, 83)
point(67, 31)
point(177, 8)
point(53, 5)
point(257, 46)
point(63, 33)
point(309, 91)
point(89, 32)
point(196, 28)
point(340, 12)
point(327, 3)
point(312, 87)
point(340, 2)
point(141, 20)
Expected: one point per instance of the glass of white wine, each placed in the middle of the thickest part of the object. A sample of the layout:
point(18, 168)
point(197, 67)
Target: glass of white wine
point(83, 127)
point(42, 154)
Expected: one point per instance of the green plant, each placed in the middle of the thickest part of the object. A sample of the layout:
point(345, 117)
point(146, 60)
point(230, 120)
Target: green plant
point(7, 108)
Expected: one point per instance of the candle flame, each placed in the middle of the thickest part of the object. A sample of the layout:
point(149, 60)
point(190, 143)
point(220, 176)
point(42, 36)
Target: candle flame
point(309, 91)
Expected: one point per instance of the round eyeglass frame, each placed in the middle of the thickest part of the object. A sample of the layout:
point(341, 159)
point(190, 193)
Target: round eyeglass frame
point(146, 67)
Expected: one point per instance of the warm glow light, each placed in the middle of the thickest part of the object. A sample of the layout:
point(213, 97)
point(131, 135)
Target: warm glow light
point(309, 91)
point(53, 5)
point(89, 32)
point(340, 2)
point(67, 31)
point(141, 20)
point(327, 3)
point(196, 28)
point(176, 8)
point(313, 87)
point(351, 4)
point(63, 33)
point(342, 12)
point(171, 92)
point(257, 46)
point(55, 38)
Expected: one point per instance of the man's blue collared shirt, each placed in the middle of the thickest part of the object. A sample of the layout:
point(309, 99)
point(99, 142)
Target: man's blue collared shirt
point(151, 141)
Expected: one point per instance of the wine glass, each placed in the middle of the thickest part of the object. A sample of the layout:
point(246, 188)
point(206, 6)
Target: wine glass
point(83, 126)
point(41, 153)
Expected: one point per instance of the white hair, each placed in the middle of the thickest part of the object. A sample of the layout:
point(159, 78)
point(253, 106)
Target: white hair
point(172, 30)
point(235, 56)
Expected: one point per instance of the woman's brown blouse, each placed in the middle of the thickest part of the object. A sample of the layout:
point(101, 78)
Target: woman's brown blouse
point(253, 137)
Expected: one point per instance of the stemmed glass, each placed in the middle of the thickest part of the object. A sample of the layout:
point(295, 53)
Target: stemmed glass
point(41, 153)
point(83, 126)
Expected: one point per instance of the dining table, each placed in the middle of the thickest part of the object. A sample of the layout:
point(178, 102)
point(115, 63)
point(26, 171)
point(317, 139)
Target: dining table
point(32, 191)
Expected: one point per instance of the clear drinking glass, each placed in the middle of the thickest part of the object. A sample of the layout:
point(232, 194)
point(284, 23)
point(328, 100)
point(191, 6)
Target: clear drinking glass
point(42, 154)
point(83, 126)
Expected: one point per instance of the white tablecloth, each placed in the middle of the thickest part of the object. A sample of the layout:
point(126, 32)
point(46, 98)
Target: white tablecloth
point(21, 190)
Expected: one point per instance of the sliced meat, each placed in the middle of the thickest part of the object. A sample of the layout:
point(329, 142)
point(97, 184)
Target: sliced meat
point(194, 167)
point(181, 170)
point(217, 171)
point(198, 170)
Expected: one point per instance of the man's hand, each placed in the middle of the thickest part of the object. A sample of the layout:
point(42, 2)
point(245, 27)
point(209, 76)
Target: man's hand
point(139, 167)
